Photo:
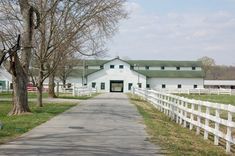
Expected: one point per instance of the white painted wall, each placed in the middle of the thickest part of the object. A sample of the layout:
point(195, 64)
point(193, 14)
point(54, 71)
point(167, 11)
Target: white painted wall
point(93, 67)
point(172, 83)
point(107, 74)
point(5, 76)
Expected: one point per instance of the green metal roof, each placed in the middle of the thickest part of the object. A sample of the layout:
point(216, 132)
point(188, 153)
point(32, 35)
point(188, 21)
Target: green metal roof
point(158, 63)
point(149, 73)
point(151, 63)
point(171, 74)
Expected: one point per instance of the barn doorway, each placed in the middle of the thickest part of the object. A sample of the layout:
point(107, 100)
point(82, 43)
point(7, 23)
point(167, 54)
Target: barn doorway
point(116, 86)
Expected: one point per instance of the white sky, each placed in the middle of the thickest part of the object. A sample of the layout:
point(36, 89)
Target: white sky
point(156, 30)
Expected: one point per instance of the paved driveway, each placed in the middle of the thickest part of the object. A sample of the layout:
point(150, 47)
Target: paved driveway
point(105, 125)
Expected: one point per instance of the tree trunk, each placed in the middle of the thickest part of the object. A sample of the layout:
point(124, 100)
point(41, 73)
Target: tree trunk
point(51, 87)
point(39, 87)
point(64, 83)
point(20, 68)
point(39, 95)
point(20, 95)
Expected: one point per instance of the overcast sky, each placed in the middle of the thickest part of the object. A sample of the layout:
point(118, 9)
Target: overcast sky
point(177, 30)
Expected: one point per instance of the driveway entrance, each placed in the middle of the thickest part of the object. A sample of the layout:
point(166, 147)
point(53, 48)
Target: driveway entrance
point(116, 86)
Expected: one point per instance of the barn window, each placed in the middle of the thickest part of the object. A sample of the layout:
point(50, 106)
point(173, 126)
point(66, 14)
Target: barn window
point(102, 87)
point(147, 67)
point(179, 86)
point(93, 84)
point(163, 86)
point(162, 68)
point(140, 85)
point(130, 86)
point(147, 85)
point(121, 66)
point(111, 66)
point(177, 68)
point(101, 67)
point(193, 68)
point(194, 86)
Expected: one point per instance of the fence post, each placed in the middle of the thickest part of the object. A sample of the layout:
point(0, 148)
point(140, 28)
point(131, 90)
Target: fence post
point(146, 94)
point(185, 114)
point(181, 112)
point(172, 108)
point(177, 110)
point(199, 119)
point(168, 105)
point(229, 133)
point(191, 116)
point(216, 138)
point(206, 124)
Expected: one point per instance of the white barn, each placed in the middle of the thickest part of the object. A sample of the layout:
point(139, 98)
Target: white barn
point(119, 75)
point(5, 80)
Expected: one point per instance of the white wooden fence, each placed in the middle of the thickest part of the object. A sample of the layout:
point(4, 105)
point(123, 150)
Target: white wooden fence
point(81, 91)
point(195, 114)
point(199, 91)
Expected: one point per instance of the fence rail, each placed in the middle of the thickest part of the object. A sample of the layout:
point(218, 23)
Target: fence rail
point(81, 91)
point(214, 118)
point(199, 91)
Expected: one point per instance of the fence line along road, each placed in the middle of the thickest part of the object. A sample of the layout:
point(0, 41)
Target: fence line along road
point(213, 118)
point(199, 91)
point(81, 91)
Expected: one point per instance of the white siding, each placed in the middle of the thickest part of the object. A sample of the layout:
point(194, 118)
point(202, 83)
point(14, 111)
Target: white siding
point(93, 67)
point(172, 83)
point(107, 74)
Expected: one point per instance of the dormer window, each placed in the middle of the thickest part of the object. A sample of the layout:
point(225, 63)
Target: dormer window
point(147, 67)
point(193, 68)
point(177, 68)
point(121, 66)
point(111, 66)
point(162, 68)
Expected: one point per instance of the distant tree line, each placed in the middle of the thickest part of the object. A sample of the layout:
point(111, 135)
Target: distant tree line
point(216, 72)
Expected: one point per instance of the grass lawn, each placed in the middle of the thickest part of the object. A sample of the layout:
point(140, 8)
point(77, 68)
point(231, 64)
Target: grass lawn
point(174, 138)
point(224, 99)
point(14, 126)
point(33, 95)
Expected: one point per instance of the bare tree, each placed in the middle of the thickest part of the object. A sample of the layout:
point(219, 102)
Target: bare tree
point(82, 26)
point(83, 32)
point(207, 63)
point(19, 62)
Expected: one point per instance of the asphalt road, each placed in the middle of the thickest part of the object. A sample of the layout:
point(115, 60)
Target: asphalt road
point(108, 125)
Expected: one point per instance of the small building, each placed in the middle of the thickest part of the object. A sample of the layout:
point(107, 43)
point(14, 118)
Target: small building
point(219, 84)
point(119, 75)
point(5, 80)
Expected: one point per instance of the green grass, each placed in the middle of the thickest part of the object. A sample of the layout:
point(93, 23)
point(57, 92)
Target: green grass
point(224, 99)
point(14, 126)
point(85, 97)
point(33, 95)
point(175, 139)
